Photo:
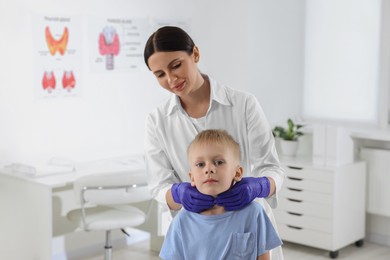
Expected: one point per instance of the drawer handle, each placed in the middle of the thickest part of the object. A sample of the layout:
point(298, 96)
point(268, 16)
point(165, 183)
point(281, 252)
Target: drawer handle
point(294, 227)
point(294, 189)
point(295, 168)
point(293, 213)
point(294, 179)
point(294, 200)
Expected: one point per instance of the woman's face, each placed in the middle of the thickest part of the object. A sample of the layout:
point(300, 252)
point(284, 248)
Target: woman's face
point(176, 71)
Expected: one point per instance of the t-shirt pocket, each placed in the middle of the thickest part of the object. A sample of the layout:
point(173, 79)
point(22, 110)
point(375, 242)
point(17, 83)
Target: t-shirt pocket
point(243, 244)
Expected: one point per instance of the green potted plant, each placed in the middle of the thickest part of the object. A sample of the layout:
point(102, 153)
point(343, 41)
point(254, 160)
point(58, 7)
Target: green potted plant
point(288, 137)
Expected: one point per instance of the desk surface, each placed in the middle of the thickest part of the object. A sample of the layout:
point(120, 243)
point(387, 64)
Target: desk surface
point(55, 180)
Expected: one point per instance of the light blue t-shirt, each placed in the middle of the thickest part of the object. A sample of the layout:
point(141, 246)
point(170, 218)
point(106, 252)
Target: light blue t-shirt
point(243, 234)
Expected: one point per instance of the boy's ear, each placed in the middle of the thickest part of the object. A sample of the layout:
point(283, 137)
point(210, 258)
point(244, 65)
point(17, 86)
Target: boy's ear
point(192, 179)
point(239, 173)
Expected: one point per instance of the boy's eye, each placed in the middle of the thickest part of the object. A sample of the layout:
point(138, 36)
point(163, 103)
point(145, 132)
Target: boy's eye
point(218, 162)
point(201, 164)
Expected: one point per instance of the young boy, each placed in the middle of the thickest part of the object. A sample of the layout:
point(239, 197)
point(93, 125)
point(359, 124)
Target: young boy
point(214, 158)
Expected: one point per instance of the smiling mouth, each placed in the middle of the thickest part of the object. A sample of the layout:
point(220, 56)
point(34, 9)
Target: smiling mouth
point(179, 87)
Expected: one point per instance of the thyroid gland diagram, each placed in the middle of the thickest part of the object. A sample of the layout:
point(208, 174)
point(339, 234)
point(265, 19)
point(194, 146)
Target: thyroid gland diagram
point(57, 45)
point(109, 45)
point(49, 81)
point(68, 80)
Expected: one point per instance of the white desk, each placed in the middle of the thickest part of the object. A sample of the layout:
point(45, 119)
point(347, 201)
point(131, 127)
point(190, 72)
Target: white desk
point(33, 213)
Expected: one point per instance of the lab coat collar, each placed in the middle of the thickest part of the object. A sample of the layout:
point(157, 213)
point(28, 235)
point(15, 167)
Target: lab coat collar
point(218, 94)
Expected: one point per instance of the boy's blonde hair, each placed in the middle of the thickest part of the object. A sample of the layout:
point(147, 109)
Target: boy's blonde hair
point(216, 136)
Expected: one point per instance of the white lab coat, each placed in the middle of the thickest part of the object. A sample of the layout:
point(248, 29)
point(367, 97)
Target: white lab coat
point(169, 130)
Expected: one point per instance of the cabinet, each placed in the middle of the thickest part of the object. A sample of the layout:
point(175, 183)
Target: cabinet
point(378, 179)
point(322, 206)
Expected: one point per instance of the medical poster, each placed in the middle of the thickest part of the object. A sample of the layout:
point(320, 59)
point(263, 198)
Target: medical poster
point(117, 44)
point(57, 43)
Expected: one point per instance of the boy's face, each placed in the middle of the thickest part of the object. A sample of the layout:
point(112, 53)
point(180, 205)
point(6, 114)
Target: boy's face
point(214, 168)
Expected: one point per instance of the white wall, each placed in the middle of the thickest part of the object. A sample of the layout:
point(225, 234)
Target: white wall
point(276, 46)
point(106, 120)
point(253, 45)
point(223, 40)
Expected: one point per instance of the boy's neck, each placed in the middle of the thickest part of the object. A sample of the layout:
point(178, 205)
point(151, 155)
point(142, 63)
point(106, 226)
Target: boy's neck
point(216, 210)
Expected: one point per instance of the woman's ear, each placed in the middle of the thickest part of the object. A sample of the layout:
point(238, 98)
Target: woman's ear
point(239, 173)
point(192, 179)
point(196, 54)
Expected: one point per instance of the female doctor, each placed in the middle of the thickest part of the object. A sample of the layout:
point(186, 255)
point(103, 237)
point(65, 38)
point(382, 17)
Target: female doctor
point(199, 102)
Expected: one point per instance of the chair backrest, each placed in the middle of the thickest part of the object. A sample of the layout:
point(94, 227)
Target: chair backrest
point(112, 188)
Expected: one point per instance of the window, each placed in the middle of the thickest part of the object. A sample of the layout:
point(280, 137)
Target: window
point(341, 64)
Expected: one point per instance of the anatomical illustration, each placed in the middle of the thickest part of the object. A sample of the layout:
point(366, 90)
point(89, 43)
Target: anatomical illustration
point(55, 45)
point(48, 81)
point(68, 80)
point(109, 45)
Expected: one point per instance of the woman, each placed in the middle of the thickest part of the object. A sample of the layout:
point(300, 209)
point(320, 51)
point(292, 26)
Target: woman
point(199, 102)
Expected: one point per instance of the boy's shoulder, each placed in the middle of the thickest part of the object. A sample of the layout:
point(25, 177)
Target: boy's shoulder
point(253, 208)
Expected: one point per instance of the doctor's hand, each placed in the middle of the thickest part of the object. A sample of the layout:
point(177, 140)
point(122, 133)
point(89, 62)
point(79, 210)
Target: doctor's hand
point(244, 192)
point(191, 199)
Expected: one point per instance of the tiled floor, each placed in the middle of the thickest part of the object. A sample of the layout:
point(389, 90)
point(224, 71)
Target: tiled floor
point(369, 251)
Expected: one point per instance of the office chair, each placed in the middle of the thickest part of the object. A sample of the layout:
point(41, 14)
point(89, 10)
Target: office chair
point(104, 200)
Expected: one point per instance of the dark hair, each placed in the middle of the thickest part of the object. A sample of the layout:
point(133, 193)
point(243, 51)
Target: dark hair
point(168, 38)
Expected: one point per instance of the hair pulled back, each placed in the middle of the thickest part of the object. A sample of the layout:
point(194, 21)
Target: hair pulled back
point(166, 39)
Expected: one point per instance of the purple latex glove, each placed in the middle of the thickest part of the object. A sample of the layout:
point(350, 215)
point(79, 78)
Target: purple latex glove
point(244, 192)
point(191, 199)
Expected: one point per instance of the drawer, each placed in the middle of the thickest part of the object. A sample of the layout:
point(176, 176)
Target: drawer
point(303, 221)
point(306, 195)
point(310, 174)
point(306, 207)
point(306, 236)
point(308, 185)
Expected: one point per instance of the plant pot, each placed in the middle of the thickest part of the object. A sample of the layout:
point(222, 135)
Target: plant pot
point(289, 148)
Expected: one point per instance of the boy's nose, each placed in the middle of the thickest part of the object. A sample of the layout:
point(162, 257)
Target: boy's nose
point(210, 169)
